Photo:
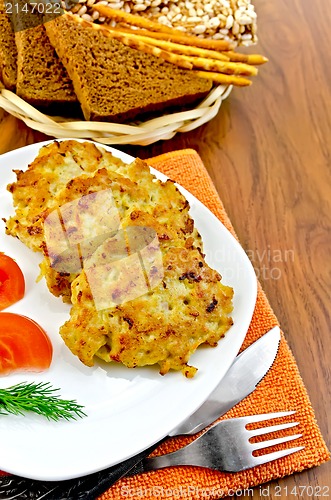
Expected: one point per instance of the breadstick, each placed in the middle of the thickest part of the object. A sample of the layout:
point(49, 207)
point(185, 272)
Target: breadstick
point(142, 22)
point(175, 48)
point(254, 59)
point(177, 36)
point(223, 79)
point(231, 68)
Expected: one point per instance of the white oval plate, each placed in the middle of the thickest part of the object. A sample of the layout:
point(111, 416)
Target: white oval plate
point(128, 409)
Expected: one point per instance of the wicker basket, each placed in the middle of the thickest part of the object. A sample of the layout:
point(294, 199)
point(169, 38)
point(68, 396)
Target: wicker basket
point(140, 133)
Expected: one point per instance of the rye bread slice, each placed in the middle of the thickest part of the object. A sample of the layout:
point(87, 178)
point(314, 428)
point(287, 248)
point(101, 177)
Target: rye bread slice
point(8, 51)
point(42, 79)
point(115, 82)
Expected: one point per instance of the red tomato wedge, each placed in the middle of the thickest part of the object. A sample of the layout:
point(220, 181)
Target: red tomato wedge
point(24, 345)
point(12, 284)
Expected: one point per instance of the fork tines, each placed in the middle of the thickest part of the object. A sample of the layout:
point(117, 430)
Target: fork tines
point(259, 460)
point(227, 445)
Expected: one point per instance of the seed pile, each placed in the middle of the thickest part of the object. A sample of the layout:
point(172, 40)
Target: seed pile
point(233, 20)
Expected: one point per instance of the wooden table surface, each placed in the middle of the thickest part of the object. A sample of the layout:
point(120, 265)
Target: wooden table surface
point(269, 153)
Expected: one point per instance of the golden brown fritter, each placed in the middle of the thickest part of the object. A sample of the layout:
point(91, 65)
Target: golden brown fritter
point(164, 326)
point(36, 190)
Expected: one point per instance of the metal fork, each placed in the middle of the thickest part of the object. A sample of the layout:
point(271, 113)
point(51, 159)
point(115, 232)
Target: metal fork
point(226, 446)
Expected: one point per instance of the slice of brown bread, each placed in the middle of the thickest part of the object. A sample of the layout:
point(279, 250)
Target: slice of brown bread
point(115, 82)
point(42, 79)
point(8, 52)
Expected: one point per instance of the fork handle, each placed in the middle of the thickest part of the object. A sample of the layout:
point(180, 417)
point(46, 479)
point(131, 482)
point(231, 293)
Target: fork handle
point(207, 450)
point(84, 488)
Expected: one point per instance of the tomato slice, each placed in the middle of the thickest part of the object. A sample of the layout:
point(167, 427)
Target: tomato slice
point(24, 345)
point(12, 284)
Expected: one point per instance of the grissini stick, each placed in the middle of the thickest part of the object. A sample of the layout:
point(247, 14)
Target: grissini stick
point(254, 59)
point(174, 47)
point(224, 79)
point(142, 22)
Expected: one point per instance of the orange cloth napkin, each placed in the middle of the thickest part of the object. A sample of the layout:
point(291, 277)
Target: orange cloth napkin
point(281, 389)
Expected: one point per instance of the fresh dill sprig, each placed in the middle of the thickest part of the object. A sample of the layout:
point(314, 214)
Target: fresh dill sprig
point(39, 398)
